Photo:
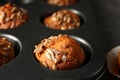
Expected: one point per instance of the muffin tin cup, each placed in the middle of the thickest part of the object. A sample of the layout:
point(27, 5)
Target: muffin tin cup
point(30, 33)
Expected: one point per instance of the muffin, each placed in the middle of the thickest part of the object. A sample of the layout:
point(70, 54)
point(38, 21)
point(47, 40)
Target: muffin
point(61, 2)
point(62, 20)
point(59, 53)
point(11, 16)
point(7, 51)
point(119, 60)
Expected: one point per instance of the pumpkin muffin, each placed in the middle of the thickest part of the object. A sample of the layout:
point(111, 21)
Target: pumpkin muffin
point(119, 60)
point(62, 20)
point(7, 51)
point(61, 2)
point(11, 16)
point(59, 53)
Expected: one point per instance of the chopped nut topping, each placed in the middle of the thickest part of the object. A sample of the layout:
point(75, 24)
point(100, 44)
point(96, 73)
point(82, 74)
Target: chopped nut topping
point(45, 64)
point(64, 59)
point(54, 14)
point(7, 19)
point(48, 56)
point(53, 37)
point(13, 9)
point(78, 24)
point(63, 28)
point(23, 10)
point(55, 52)
point(19, 13)
point(55, 60)
point(54, 67)
point(68, 20)
point(2, 16)
point(12, 16)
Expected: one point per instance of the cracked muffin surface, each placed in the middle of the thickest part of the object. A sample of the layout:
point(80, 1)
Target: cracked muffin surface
point(59, 53)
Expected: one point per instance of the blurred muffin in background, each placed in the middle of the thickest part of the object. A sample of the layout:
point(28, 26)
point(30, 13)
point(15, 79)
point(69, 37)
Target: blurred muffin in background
point(61, 2)
point(7, 52)
point(113, 61)
point(119, 60)
point(11, 16)
point(62, 20)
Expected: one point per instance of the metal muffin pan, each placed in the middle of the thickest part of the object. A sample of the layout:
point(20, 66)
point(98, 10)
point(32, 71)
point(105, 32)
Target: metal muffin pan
point(25, 66)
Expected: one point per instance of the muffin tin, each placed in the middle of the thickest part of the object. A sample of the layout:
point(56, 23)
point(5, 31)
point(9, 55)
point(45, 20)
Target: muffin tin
point(25, 67)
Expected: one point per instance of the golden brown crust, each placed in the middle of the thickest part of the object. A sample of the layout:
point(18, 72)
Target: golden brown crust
point(59, 53)
point(61, 2)
point(7, 52)
point(11, 16)
point(62, 20)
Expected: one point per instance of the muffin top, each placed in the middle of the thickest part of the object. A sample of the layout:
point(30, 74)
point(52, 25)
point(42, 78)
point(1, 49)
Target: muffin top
point(59, 53)
point(62, 20)
point(61, 2)
point(7, 51)
point(11, 16)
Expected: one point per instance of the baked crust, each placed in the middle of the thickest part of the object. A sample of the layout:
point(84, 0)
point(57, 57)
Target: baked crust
point(62, 20)
point(61, 2)
point(59, 53)
point(11, 16)
point(7, 51)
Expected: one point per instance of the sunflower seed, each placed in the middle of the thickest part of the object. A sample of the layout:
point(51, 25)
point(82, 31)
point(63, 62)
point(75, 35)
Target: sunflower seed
point(45, 64)
point(7, 19)
point(23, 10)
point(78, 24)
point(55, 60)
point(59, 22)
point(55, 51)
point(8, 48)
point(63, 28)
point(54, 14)
point(68, 20)
point(12, 16)
point(64, 59)
point(2, 15)
point(13, 9)
point(48, 55)
point(51, 54)
point(19, 13)
point(54, 67)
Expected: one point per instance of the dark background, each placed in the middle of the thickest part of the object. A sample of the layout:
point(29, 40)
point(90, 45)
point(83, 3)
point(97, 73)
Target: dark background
point(107, 14)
